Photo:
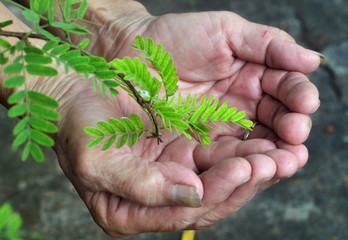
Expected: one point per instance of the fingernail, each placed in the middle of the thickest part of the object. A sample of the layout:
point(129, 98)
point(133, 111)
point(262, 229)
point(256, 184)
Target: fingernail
point(246, 180)
point(322, 58)
point(185, 196)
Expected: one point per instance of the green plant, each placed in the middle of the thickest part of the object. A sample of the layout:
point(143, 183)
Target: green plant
point(188, 117)
point(11, 223)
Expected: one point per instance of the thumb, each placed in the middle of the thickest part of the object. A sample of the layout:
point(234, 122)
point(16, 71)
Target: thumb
point(150, 183)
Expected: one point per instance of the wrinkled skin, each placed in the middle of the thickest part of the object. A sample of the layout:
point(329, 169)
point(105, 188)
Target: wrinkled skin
point(258, 69)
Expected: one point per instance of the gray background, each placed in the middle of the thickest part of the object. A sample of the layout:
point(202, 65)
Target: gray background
point(312, 205)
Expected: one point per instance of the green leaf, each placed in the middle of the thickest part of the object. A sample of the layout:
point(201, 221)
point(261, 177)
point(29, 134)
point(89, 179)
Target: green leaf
point(70, 55)
point(122, 141)
point(82, 60)
point(67, 9)
point(31, 16)
point(49, 35)
point(42, 99)
point(26, 151)
point(13, 68)
point(84, 43)
point(49, 45)
point(51, 11)
point(36, 152)
point(149, 46)
point(5, 23)
point(40, 6)
point(106, 127)
point(43, 125)
point(209, 111)
point(133, 139)
point(111, 83)
point(21, 138)
point(108, 74)
point(140, 42)
point(17, 110)
point(238, 116)
point(205, 140)
point(33, 50)
point(43, 112)
point(40, 70)
point(82, 9)
point(41, 138)
point(84, 68)
point(96, 59)
point(37, 59)
point(218, 113)
point(3, 58)
point(127, 124)
point(108, 143)
point(13, 82)
point(4, 43)
point(60, 49)
point(62, 25)
point(228, 114)
point(92, 131)
point(179, 124)
point(137, 122)
point(16, 97)
point(246, 123)
point(20, 126)
point(95, 142)
point(5, 213)
point(117, 125)
point(201, 129)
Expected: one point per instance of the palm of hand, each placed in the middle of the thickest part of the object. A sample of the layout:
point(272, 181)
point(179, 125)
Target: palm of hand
point(120, 187)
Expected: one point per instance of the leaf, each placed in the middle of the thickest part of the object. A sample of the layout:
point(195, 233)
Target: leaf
point(137, 122)
point(43, 125)
point(140, 42)
point(20, 126)
point(246, 123)
point(5, 213)
point(4, 43)
point(70, 55)
point(95, 142)
point(40, 70)
point(82, 9)
point(84, 68)
point(40, 6)
point(228, 114)
point(106, 127)
point(108, 74)
point(26, 151)
point(62, 25)
point(49, 45)
point(3, 58)
point(49, 35)
point(122, 141)
point(16, 97)
point(43, 112)
point(92, 131)
point(133, 139)
point(37, 59)
point(201, 129)
point(108, 143)
point(205, 140)
point(67, 9)
point(60, 49)
point(21, 138)
point(13, 82)
point(149, 46)
point(209, 111)
point(17, 110)
point(238, 116)
point(128, 125)
point(13, 68)
point(41, 138)
point(50, 11)
point(179, 124)
point(36, 152)
point(81, 60)
point(111, 83)
point(5, 23)
point(218, 113)
point(31, 16)
point(117, 125)
point(84, 43)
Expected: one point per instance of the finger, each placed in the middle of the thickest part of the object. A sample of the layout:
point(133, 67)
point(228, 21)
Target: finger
point(222, 179)
point(273, 47)
point(227, 147)
point(136, 179)
point(293, 89)
point(286, 162)
point(291, 127)
point(263, 169)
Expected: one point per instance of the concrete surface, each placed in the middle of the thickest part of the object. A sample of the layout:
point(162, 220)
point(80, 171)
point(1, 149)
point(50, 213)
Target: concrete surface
point(312, 205)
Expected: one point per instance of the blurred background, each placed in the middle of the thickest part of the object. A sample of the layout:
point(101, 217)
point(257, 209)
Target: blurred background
point(312, 205)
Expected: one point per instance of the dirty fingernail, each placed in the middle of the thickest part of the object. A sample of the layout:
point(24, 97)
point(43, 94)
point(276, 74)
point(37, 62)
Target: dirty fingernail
point(322, 57)
point(185, 196)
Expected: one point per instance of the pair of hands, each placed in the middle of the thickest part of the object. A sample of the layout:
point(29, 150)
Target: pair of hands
point(258, 69)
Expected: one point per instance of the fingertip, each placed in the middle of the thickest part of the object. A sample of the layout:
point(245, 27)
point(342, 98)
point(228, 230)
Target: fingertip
point(300, 151)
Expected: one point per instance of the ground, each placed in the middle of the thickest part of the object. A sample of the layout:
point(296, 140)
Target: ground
point(312, 205)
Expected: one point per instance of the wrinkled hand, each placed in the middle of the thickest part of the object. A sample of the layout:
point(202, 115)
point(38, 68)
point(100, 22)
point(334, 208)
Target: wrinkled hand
point(256, 68)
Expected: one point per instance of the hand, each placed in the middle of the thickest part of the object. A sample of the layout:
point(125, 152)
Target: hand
point(256, 68)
